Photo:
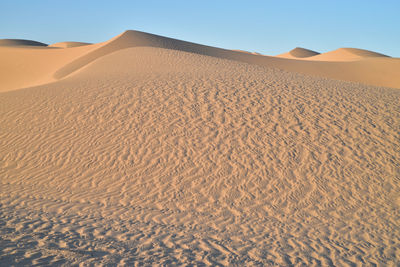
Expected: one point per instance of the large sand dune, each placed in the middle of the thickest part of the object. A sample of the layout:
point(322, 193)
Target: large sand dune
point(150, 151)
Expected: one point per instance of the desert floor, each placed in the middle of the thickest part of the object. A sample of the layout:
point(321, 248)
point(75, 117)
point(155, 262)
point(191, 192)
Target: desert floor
point(145, 150)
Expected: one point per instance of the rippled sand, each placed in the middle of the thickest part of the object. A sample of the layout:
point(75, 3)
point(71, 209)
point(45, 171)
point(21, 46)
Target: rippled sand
point(147, 155)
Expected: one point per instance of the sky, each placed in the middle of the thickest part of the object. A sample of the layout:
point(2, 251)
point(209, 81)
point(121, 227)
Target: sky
point(267, 27)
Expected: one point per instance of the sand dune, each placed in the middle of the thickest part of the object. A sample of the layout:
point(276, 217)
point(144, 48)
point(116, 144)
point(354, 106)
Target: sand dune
point(298, 52)
point(338, 55)
point(247, 52)
point(49, 65)
point(137, 39)
point(347, 54)
point(68, 44)
point(151, 151)
point(20, 42)
point(379, 72)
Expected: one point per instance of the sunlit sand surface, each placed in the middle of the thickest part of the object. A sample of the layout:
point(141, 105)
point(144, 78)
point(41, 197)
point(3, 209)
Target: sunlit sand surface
point(148, 150)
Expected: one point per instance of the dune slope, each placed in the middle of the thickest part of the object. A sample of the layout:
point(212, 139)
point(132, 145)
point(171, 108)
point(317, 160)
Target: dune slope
point(153, 156)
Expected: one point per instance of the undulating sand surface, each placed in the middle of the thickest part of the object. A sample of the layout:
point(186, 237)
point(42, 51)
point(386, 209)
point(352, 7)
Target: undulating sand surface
point(146, 150)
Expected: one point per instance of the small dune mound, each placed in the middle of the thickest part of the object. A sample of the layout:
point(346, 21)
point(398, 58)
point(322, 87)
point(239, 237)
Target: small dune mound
point(247, 52)
point(363, 52)
point(302, 52)
point(20, 42)
point(68, 44)
point(299, 52)
point(347, 54)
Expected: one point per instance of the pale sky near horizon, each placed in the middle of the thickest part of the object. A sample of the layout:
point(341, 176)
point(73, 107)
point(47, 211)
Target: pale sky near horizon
point(267, 27)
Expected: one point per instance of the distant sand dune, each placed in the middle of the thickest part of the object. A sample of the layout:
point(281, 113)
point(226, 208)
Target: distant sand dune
point(20, 42)
point(298, 52)
point(347, 54)
point(247, 52)
point(68, 44)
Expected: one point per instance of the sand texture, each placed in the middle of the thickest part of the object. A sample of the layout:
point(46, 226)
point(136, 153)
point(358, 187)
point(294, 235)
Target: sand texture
point(148, 151)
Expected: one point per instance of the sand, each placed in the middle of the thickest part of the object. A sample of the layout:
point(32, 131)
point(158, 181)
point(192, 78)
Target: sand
point(163, 152)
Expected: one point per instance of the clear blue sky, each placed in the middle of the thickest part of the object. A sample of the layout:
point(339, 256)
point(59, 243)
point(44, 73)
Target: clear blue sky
point(268, 27)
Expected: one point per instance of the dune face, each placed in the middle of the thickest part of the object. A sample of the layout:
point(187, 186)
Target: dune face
point(68, 44)
point(20, 42)
point(148, 151)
